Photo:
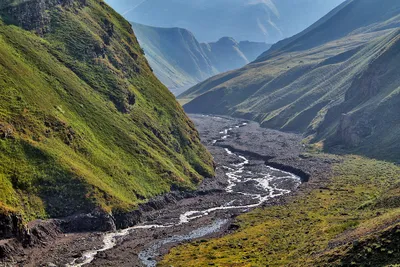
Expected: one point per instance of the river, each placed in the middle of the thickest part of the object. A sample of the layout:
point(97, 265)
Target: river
point(249, 183)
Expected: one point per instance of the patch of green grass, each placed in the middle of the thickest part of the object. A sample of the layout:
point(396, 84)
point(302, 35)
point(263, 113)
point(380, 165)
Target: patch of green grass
point(87, 122)
point(310, 227)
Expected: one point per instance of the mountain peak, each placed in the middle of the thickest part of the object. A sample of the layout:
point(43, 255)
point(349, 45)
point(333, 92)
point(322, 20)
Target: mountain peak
point(227, 41)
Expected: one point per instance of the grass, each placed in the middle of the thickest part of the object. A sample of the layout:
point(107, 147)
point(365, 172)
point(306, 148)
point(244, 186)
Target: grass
point(84, 123)
point(318, 227)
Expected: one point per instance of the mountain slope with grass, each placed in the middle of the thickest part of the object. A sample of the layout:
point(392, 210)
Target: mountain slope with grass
point(180, 61)
point(337, 82)
point(84, 123)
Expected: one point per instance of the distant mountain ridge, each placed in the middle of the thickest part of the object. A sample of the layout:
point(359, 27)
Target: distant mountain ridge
point(254, 20)
point(180, 61)
point(337, 82)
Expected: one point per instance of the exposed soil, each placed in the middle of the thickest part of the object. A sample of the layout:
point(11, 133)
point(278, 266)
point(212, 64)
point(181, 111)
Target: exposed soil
point(244, 154)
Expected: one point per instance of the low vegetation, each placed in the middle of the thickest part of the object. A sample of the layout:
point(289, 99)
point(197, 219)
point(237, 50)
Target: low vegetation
point(84, 123)
point(353, 219)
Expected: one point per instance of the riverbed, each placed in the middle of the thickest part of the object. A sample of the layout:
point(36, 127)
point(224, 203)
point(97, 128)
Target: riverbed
point(246, 178)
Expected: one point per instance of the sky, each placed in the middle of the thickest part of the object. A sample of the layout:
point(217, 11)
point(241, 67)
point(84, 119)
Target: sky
point(209, 20)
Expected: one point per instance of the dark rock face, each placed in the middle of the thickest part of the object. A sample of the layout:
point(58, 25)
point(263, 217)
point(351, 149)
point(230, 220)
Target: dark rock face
point(352, 131)
point(32, 15)
point(97, 220)
point(125, 220)
point(10, 226)
point(39, 232)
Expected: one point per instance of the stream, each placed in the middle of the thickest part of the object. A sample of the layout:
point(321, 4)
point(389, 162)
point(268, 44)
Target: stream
point(247, 187)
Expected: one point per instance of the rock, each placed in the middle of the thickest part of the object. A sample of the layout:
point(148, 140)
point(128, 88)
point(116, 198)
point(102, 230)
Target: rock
point(102, 255)
point(125, 220)
point(77, 255)
point(11, 225)
point(352, 131)
point(98, 221)
point(32, 15)
point(6, 130)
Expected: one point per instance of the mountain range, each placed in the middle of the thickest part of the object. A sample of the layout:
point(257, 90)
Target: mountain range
point(180, 61)
point(337, 82)
point(91, 140)
point(244, 20)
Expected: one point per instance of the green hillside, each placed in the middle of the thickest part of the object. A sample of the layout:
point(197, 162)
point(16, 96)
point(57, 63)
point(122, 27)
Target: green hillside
point(337, 82)
point(350, 219)
point(84, 123)
point(180, 61)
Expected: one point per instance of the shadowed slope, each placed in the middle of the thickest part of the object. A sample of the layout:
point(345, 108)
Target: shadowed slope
point(303, 84)
point(180, 61)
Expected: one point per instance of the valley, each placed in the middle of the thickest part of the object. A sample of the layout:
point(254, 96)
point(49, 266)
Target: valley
point(282, 155)
point(274, 200)
point(248, 176)
point(338, 85)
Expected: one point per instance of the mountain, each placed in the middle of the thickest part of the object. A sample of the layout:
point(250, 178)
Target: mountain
point(254, 20)
point(228, 54)
point(84, 123)
point(337, 82)
point(180, 61)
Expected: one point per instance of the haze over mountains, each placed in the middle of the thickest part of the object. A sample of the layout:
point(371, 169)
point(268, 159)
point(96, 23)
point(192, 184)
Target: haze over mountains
point(180, 61)
point(337, 82)
point(244, 20)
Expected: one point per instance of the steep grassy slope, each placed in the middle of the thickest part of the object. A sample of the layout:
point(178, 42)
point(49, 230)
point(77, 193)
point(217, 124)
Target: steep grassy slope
point(180, 61)
point(307, 82)
point(84, 123)
point(353, 220)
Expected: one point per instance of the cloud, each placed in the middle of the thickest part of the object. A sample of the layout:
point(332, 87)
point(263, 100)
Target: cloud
point(133, 8)
point(271, 6)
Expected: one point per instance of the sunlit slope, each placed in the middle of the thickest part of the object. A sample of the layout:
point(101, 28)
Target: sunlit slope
point(84, 123)
point(352, 220)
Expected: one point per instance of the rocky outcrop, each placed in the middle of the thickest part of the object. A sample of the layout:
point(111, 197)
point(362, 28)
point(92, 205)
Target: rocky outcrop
point(11, 225)
point(32, 15)
point(96, 221)
point(352, 132)
point(6, 130)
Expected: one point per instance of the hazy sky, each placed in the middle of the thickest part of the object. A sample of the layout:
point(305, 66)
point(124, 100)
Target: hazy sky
point(254, 20)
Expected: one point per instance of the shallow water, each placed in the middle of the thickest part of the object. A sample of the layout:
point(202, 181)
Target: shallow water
point(265, 185)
